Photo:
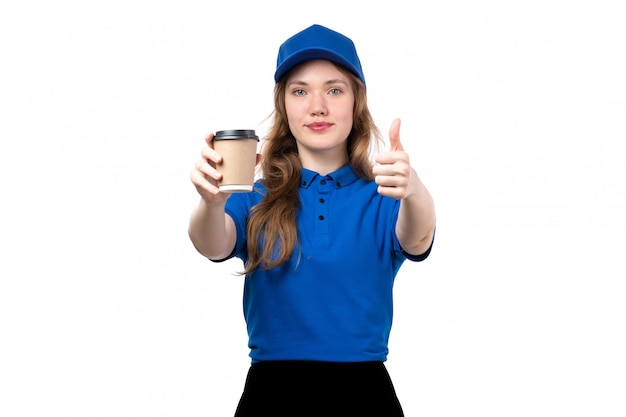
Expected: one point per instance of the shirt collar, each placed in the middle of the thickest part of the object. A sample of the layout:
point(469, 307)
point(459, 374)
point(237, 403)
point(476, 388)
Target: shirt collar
point(342, 177)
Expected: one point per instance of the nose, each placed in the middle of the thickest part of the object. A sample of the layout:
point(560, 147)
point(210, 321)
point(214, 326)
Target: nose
point(318, 105)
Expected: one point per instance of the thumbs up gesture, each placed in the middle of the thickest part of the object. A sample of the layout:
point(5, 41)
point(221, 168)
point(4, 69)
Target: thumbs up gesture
point(392, 171)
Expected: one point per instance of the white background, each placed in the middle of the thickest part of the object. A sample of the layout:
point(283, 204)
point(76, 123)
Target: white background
point(514, 114)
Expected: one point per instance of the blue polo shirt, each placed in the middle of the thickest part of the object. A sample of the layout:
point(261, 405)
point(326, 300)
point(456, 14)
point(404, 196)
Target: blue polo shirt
point(332, 301)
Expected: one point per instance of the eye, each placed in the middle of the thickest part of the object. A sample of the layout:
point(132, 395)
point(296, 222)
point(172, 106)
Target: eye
point(334, 91)
point(298, 92)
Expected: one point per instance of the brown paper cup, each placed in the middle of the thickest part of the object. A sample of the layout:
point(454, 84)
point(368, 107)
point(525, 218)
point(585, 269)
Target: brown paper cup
point(238, 150)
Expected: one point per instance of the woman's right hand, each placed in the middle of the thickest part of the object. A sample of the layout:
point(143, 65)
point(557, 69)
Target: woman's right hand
point(205, 176)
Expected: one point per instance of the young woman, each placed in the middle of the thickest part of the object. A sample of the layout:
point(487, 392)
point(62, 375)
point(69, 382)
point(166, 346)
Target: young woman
point(322, 237)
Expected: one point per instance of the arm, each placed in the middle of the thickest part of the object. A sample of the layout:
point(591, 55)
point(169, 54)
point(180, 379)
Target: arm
point(395, 178)
point(416, 221)
point(211, 230)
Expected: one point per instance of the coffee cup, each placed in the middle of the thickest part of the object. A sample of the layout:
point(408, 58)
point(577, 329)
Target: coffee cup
point(238, 150)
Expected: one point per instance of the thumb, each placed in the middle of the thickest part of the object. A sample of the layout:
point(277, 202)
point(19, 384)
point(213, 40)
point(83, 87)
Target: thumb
point(394, 136)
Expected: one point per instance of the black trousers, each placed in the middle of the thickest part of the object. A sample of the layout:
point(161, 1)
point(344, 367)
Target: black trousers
point(324, 389)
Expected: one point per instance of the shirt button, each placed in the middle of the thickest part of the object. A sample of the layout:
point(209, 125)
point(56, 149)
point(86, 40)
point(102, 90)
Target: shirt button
point(321, 217)
point(322, 200)
point(323, 182)
point(304, 183)
point(338, 184)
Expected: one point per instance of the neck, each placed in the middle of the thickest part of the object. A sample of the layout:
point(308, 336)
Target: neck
point(323, 163)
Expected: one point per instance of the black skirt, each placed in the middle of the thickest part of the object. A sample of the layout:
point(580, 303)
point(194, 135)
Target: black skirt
point(325, 389)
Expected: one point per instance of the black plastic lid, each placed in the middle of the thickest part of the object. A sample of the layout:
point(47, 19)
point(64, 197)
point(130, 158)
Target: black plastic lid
point(235, 134)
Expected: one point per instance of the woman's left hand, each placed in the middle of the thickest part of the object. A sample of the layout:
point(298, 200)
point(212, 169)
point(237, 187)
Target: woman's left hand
point(393, 172)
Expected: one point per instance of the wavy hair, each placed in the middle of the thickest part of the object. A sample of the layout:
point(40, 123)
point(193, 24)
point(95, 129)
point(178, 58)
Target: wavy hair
point(272, 232)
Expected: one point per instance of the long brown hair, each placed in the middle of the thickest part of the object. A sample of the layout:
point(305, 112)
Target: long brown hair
point(271, 230)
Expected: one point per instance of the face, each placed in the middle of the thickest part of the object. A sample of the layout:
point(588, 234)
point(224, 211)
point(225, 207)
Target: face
point(319, 101)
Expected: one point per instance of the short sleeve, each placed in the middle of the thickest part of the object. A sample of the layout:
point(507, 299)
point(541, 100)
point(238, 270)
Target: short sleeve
point(238, 207)
point(421, 257)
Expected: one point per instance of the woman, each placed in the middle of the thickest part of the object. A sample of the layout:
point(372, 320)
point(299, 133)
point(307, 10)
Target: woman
point(322, 238)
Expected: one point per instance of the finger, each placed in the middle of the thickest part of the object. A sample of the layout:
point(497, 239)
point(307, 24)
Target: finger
point(393, 192)
point(209, 139)
point(211, 156)
point(391, 158)
point(394, 136)
point(203, 184)
point(208, 170)
point(390, 181)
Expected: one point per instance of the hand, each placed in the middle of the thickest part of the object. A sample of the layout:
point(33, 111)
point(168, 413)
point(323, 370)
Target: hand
point(393, 172)
point(205, 176)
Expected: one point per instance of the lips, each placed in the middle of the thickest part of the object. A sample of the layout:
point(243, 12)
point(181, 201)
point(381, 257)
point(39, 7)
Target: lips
point(318, 126)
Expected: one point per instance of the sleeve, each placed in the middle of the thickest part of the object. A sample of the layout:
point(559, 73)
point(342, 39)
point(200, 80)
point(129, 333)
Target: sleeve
point(420, 257)
point(396, 242)
point(238, 208)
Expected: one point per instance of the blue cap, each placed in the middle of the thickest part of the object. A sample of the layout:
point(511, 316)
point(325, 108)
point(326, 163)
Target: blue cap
point(318, 42)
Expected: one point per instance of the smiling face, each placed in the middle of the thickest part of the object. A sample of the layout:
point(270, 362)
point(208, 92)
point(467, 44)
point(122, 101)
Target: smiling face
point(319, 101)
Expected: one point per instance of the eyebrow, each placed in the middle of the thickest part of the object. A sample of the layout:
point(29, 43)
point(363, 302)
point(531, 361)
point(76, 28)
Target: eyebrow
point(329, 82)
